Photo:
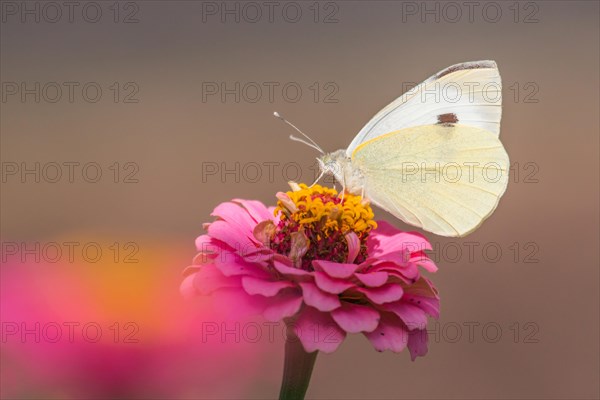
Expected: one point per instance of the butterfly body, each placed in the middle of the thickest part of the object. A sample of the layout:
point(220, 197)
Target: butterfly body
point(341, 167)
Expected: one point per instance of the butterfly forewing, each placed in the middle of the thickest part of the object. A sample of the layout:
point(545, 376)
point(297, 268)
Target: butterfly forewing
point(468, 94)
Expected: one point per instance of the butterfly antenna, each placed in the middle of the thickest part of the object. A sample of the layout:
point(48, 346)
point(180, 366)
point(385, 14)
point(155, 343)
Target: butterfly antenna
point(310, 143)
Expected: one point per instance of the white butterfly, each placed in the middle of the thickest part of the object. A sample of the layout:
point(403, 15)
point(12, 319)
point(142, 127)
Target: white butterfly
point(432, 157)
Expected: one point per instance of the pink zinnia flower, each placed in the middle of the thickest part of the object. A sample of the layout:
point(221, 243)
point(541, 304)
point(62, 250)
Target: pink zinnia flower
point(319, 261)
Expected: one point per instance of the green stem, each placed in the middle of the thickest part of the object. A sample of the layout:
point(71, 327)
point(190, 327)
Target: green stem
point(297, 369)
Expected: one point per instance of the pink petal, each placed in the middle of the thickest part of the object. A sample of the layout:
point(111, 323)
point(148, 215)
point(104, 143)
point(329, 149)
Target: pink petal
point(317, 331)
point(234, 227)
point(209, 279)
point(313, 296)
point(383, 294)
point(430, 305)
point(259, 255)
point(389, 244)
point(412, 316)
point(187, 288)
point(231, 264)
point(283, 305)
point(331, 285)
point(424, 295)
point(233, 235)
point(410, 270)
point(399, 257)
point(373, 279)
point(386, 239)
point(236, 304)
point(353, 246)
point(389, 334)
point(204, 243)
point(396, 260)
point(417, 343)
point(204, 258)
point(263, 287)
point(422, 260)
point(354, 318)
point(234, 214)
point(407, 272)
point(423, 287)
point(334, 269)
point(190, 270)
point(256, 209)
point(285, 266)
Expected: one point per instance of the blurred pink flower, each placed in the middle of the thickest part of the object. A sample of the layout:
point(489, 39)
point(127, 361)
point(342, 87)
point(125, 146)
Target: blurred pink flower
point(321, 263)
point(144, 341)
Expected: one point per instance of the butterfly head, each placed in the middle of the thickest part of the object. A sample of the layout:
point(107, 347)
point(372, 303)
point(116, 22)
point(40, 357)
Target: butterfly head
point(332, 163)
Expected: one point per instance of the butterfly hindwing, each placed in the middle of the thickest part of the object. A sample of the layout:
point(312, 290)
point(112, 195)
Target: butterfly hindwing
point(445, 178)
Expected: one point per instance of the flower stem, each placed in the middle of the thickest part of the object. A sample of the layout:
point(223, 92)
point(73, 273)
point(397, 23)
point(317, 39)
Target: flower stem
point(297, 369)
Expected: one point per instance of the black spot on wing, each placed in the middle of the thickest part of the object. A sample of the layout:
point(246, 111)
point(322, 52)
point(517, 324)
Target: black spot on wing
point(448, 118)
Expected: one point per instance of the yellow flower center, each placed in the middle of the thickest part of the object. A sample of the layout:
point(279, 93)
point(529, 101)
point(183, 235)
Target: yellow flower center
point(322, 208)
point(314, 222)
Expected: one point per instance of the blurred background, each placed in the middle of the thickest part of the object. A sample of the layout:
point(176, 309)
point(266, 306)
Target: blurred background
point(124, 123)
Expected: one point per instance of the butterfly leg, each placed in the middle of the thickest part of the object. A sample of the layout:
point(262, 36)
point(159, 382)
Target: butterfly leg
point(363, 201)
point(318, 179)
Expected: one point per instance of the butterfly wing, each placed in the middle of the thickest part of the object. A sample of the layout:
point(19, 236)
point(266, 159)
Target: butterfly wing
point(444, 178)
point(469, 93)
